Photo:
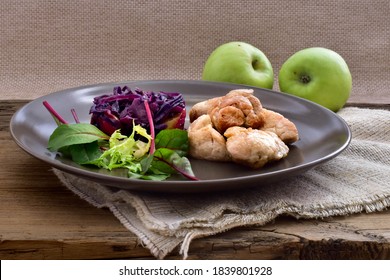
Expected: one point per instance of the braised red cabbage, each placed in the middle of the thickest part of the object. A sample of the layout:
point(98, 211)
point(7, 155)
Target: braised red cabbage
point(119, 109)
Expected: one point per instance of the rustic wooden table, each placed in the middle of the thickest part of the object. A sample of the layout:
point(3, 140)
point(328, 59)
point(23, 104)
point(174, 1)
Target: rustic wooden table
point(41, 219)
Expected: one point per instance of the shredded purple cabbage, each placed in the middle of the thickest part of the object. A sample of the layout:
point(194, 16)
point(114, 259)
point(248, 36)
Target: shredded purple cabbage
point(119, 109)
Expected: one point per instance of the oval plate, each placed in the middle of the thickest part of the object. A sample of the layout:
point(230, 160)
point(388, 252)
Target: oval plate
point(323, 135)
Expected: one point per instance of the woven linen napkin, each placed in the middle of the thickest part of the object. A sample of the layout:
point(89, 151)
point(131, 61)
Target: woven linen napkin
point(357, 180)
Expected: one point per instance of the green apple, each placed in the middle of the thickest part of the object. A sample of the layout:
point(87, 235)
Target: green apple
point(317, 74)
point(240, 63)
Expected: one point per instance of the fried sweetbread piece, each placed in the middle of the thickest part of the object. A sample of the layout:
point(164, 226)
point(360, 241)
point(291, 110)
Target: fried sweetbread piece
point(203, 107)
point(253, 117)
point(237, 108)
point(254, 147)
point(281, 126)
point(206, 142)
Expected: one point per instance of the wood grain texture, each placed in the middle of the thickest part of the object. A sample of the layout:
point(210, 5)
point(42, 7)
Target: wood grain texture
point(41, 219)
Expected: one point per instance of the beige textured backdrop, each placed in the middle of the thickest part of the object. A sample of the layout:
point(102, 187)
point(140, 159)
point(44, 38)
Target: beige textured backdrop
point(47, 46)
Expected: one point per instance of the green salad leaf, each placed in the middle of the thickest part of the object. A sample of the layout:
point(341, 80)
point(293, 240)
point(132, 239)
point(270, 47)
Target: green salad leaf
point(124, 151)
point(170, 162)
point(84, 153)
point(174, 139)
point(72, 134)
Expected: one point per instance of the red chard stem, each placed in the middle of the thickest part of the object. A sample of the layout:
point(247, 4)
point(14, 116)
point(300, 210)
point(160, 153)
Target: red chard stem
point(151, 125)
point(53, 112)
point(74, 114)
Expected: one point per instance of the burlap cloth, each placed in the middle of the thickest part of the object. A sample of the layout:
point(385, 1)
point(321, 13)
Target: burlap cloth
point(47, 46)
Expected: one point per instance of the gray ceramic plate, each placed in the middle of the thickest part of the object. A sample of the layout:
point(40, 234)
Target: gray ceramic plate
point(323, 135)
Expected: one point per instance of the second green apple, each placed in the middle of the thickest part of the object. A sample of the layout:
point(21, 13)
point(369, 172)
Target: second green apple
point(239, 63)
point(317, 74)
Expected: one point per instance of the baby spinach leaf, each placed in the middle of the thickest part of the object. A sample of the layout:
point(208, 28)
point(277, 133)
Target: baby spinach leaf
point(149, 176)
point(71, 134)
point(85, 153)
